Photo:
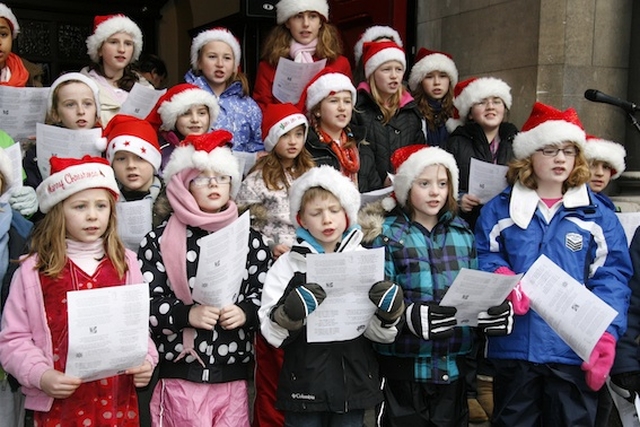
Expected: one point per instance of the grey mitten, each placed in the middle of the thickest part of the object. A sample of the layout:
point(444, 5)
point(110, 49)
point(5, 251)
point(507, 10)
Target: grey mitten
point(24, 200)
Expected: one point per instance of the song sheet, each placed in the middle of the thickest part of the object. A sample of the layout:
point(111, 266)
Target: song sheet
point(21, 108)
point(630, 221)
point(108, 330)
point(628, 411)
point(134, 222)
point(486, 180)
point(245, 160)
point(375, 195)
point(141, 100)
point(62, 142)
point(292, 77)
point(15, 157)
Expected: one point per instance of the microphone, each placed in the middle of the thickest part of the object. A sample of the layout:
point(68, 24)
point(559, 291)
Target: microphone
point(597, 96)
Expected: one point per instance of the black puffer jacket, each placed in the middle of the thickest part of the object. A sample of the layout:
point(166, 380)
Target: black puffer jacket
point(368, 179)
point(405, 128)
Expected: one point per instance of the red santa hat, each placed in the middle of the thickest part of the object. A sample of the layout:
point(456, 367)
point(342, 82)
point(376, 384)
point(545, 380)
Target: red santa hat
point(409, 162)
point(70, 176)
point(75, 77)
point(104, 26)
point(6, 13)
point(610, 152)
point(211, 151)
point(331, 180)
point(374, 34)
point(287, 8)
point(474, 90)
point(428, 61)
point(548, 126)
point(377, 53)
point(215, 34)
point(137, 136)
point(325, 83)
point(178, 100)
point(279, 119)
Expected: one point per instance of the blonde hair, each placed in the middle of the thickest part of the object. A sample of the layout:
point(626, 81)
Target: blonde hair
point(275, 175)
point(278, 42)
point(451, 205)
point(314, 192)
point(236, 76)
point(427, 111)
point(55, 99)
point(389, 108)
point(48, 242)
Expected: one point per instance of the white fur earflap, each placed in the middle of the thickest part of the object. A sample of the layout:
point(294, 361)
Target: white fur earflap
point(606, 151)
point(288, 8)
point(551, 132)
point(182, 102)
point(375, 33)
point(115, 24)
point(430, 63)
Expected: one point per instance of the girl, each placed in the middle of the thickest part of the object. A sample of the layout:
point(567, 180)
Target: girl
point(372, 34)
point(384, 108)
point(606, 163)
point(549, 210)
point(303, 34)
point(215, 67)
point(74, 247)
point(115, 44)
point(481, 132)
point(432, 79)
point(329, 99)
point(12, 69)
point(206, 351)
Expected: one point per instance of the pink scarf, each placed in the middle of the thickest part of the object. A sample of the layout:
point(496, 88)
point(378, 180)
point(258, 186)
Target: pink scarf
point(173, 244)
point(303, 52)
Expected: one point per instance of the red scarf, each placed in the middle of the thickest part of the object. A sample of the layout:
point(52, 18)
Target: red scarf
point(19, 74)
point(348, 157)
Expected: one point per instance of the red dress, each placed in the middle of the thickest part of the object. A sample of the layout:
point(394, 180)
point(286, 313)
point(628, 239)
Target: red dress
point(108, 402)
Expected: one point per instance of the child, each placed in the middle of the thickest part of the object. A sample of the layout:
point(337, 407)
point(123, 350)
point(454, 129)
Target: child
point(549, 210)
point(606, 163)
point(183, 110)
point(74, 247)
point(12, 69)
point(375, 33)
point(480, 132)
point(328, 383)
point(385, 108)
point(205, 351)
point(432, 80)
point(153, 69)
point(303, 34)
point(215, 67)
point(329, 99)
point(115, 44)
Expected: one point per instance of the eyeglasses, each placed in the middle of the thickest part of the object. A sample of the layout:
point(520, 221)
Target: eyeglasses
point(496, 102)
point(205, 181)
point(553, 151)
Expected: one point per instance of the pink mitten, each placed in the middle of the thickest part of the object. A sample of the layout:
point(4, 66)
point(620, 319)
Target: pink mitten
point(600, 362)
point(518, 298)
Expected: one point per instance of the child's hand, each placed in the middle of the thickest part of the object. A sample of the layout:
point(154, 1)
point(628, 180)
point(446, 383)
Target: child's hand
point(468, 202)
point(141, 374)
point(232, 317)
point(279, 250)
point(58, 385)
point(203, 316)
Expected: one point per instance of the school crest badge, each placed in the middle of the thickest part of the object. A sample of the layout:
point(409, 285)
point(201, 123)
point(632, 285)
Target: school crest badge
point(573, 241)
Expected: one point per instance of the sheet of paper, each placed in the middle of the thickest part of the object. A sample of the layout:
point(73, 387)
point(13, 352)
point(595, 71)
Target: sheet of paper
point(141, 100)
point(630, 221)
point(292, 77)
point(21, 108)
point(576, 314)
point(62, 142)
point(108, 330)
point(474, 291)
point(486, 180)
point(15, 156)
point(134, 222)
point(628, 411)
point(346, 277)
point(375, 195)
point(246, 161)
point(222, 264)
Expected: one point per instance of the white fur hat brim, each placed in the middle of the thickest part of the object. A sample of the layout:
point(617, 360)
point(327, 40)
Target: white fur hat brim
point(430, 63)
point(327, 84)
point(287, 8)
point(606, 151)
point(385, 55)
point(331, 180)
point(181, 102)
point(7, 13)
point(375, 33)
point(75, 77)
point(116, 24)
point(214, 35)
point(551, 132)
point(220, 160)
point(284, 126)
point(479, 89)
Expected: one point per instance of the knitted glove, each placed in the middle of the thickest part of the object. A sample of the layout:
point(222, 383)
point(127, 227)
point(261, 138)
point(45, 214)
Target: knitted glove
point(431, 321)
point(24, 200)
point(388, 297)
point(497, 321)
point(600, 362)
point(517, 296)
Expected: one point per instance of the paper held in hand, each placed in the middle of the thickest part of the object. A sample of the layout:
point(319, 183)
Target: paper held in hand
point(292, 77)
point(62, 142)
point(486, 180)
point(141, 100)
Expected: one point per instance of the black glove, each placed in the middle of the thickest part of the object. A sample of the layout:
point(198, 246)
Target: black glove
point(298, 304)
point(629, 381)
point(388, 297)
point(497, 321)
point(431, 321)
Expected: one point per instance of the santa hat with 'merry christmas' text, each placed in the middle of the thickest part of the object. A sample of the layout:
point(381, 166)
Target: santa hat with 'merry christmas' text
point(428, 61)
point(610, 152)
point(7, 13)
point(208, 152)
point(331, 180)
point(374, 34)
point(287, 8)
point(70, 176)
point(178, 100)
point(279, 119)
point(104, 26)
point(409, 162)
point(215, 34)
point(548, 126)
point(472, 91)
point(325, 83)
point(377, 53)
point(75, 77)
point(137, 136)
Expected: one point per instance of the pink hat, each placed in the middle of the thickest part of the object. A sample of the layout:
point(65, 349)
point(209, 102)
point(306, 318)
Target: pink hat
point(374, 34)
point(606, 151)
point(178, 100)
point(279, 119)
point(104, 26)
point(287, 8)
point(215, 34)
point(377, 53)
point(326, 82)
point(137, 136)
point(428, 61)
point(6, 13)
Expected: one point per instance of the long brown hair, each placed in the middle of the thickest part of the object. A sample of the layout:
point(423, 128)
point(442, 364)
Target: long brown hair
point(275, 175)
point(390, 108)
point(427, 111)
point(278, 41)
point(128, 79)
